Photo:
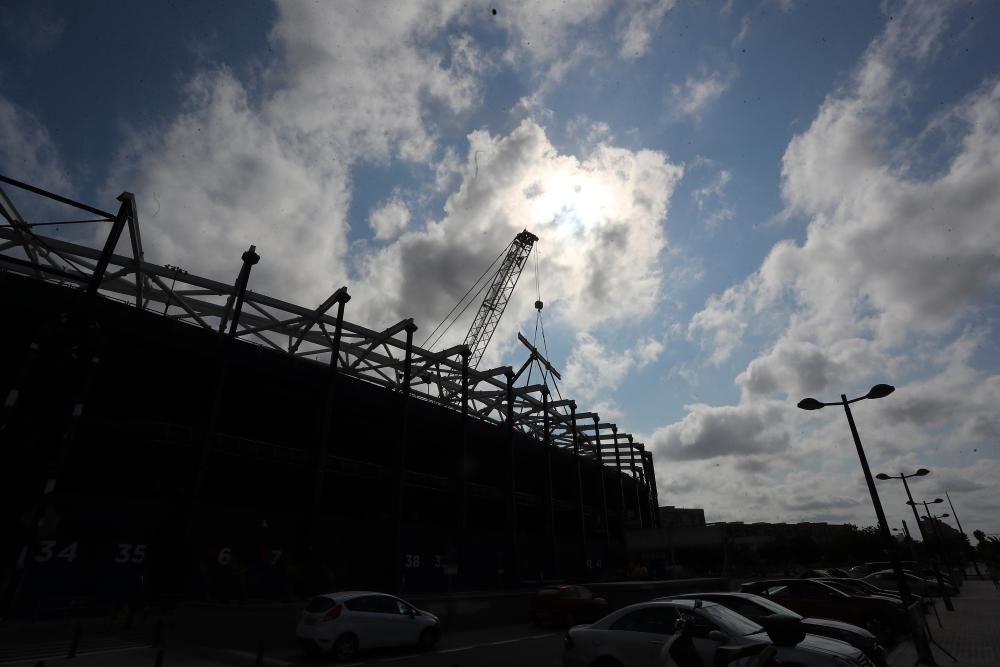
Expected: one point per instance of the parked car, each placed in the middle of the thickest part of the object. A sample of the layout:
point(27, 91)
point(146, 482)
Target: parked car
point(756, 608)
point(635, 636)
point(837, 572)
point(874, 566)
point(918, 585)
point(351, 621)
point(860, 587)
point(882, 617)
point(566, 605)
point(813, 574)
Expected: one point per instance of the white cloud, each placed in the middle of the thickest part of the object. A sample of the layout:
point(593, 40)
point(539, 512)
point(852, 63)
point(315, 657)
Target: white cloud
point(893, 264)
point(714, 193)
point(26, 149)
point(744, 31)
point(390, 219)
point(272, 167)
point(599, 217)
point(694, 96)
point(592, 370)
point(642, 19)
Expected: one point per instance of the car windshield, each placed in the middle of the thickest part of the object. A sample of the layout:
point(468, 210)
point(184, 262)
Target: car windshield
point(729, 621)
point(771, 606)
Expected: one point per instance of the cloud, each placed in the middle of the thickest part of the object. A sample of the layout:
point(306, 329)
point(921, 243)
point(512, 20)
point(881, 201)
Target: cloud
point(268, 161)
point(599, 217)
point(390, 219)
point(27, 152)
point(897, 261)
point(696, 93)
point(640, 23)
point(744, 31)
point(708, 432)
point(592, 370)
point(714, 192)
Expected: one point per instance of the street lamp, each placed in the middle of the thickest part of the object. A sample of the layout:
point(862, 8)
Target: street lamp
point(921, 472)
point(937, 537)
point(964, 537)
point(880, 391)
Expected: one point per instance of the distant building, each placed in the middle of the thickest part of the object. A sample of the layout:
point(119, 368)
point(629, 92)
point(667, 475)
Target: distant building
point(685, 539)
point(681, 517)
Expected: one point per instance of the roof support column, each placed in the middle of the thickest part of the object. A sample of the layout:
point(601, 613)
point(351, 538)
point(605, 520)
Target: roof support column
point(550, 516)
point(637, 479)
point(404, 418)
point(654, 495)
point(582, 520)
point(327, 414)
point(604, 490)
point(463, 468)
point(515, 566)
point(623, 511)
point(250, 258)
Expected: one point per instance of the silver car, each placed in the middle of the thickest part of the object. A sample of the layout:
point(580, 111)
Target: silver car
point(350, 621)
point(636, 635)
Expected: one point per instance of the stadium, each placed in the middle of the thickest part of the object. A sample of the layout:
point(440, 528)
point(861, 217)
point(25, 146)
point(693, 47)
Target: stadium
point(167, 435)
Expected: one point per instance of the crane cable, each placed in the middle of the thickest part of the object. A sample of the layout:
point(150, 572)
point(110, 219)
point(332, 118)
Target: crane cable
point(459, 303)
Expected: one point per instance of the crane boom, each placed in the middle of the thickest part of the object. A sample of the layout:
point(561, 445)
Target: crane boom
point(497, 296)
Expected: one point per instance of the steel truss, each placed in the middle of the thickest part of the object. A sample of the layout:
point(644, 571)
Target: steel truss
point(379, 357)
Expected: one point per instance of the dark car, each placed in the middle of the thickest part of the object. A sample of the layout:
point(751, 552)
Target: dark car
point(814, 574)
point(838, 572)
point(860, 587)
point(917, 584)
point(567, 605)
point(881, 616)
point(756, 608)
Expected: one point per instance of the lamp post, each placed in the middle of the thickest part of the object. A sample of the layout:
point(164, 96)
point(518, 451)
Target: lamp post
point(965, 537)
point(937, 538)
point(921, 472)
point(878, 391)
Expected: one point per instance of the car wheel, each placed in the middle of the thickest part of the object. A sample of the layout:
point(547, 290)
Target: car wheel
point(428, 639)
point(345, 648)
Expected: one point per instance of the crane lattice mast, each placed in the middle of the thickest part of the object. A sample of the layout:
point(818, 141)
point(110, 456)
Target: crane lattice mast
point(497, 296)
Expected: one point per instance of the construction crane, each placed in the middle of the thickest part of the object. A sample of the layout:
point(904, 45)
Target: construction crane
point(497, 296)
point(495, 300)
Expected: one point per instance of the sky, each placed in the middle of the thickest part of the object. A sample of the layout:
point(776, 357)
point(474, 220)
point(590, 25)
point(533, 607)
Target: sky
point(739, 203)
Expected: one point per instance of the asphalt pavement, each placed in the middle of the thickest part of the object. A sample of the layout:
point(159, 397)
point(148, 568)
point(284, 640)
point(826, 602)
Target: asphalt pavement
point(971, 633)
point(524, 645)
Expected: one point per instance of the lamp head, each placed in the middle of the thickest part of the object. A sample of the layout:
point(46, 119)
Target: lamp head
point(809, 404)
point(912, 502)
point(944, 516)
point(882, 476)
point(937, 500)
point(921, 472)
point(880, 391)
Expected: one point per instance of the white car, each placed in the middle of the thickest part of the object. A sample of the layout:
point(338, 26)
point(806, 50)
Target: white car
point(637, 635)
point(351, 621)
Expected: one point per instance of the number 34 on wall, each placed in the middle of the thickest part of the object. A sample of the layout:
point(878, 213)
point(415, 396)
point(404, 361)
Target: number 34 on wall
point(49, 549)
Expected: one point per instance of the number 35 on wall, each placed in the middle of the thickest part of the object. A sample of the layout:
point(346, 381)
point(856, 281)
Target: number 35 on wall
point(130, 553)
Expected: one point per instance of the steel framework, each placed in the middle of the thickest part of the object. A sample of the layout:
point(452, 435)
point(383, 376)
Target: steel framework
point(380, 357)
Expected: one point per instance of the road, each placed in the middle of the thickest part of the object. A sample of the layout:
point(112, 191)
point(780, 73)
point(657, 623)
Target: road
point(524, 645)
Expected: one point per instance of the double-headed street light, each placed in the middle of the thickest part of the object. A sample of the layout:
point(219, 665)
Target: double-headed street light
point(921, 472)
point(881, 391)
point(932, 520)
point(878, 391)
